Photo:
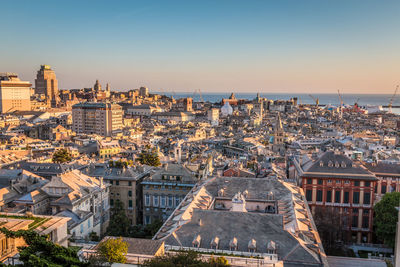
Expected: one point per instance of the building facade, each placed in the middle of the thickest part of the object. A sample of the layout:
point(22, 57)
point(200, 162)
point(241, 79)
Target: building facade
point(164, 190)
point(104, 119)
point(124, 187)
point(14, 93)
point(46, 83)
point(333, 181)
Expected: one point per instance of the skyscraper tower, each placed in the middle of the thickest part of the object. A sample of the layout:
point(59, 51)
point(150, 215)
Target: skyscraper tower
point(46, 83)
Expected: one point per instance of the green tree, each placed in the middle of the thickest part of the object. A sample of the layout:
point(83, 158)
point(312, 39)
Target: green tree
point(330, 230)
point(43, 253)
point(386, 218)
point(147, 231)
point(185, 259)
point(113, 250)
point(149, 157)
point(61, 156)
point(119, 222)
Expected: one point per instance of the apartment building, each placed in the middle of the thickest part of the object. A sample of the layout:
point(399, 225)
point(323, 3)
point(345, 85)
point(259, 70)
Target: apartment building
point(14, 94)
point(164, 190)
point(124, 186)
point(104, 119)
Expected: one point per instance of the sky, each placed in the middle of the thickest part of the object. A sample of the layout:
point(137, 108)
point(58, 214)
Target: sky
point(282, 46)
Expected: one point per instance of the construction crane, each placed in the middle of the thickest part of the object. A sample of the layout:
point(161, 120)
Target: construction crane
point(315, 99)
point(392, 98)
point(341, 104)
point(199, 92)
point(340, 98)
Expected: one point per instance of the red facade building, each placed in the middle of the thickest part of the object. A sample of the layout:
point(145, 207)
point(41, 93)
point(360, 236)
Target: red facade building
point(333, 181)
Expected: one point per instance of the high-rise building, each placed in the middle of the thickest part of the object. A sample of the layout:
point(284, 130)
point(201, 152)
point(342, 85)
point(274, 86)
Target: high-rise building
point(46, 83)
point(144, 91)
point(213, 116)
point(97, 118)
point(14, 93)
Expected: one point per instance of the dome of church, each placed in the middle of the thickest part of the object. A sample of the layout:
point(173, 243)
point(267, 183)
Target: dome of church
point(226, 109)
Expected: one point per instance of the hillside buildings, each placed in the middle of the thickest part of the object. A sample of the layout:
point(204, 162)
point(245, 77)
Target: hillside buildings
point(104, 119)
point(14, 93)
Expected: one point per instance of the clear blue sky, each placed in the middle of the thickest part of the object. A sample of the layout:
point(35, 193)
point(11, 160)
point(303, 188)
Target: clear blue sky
point(217, 46)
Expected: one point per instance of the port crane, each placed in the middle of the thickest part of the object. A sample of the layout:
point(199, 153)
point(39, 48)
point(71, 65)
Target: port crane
point(341, 104)
point(199, 92)
point(392, 98)
point(316, 100)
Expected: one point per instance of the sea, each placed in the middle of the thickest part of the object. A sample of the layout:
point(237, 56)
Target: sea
point(324, 99)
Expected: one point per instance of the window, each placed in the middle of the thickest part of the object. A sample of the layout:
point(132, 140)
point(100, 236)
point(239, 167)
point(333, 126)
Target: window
point(320, 181)
point(170, 201)
point(329, 196)
point(177, 201)
point(383, 189)
point(130, 183)
point(155, 201)
point(81, 228)
point(309, 181)
point(88, 223)
point(365, 222)
point(367, 184)
point(367, 198)
point(130, 193)
point(130, 203)
point(111, 202)
point(355, 221)
point(147, 200)
point(329, 181)
point(347, 182)
point(147, 219)
point(117, 182)
point(356, 197)
point(319, 195)
point(111, 182)
point(346, 197)
point(338, 181)
point(357, 183)
point(337, 196)
point(163, 201)
point(309, 195)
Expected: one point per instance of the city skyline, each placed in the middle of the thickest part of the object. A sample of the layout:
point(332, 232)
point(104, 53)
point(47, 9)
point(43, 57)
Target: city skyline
point(224, 46)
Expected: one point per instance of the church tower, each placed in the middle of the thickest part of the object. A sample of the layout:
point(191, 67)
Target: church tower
point(278, 131)
point(97, 86)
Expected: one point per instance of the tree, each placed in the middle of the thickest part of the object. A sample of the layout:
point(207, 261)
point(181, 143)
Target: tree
point(386, 218)
point(183, 259)
point(147, 231)
point(149, 157)
point(61, 156)
point(43, 253)
point(328, 223)
point(113, 250)
point(119, 222)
